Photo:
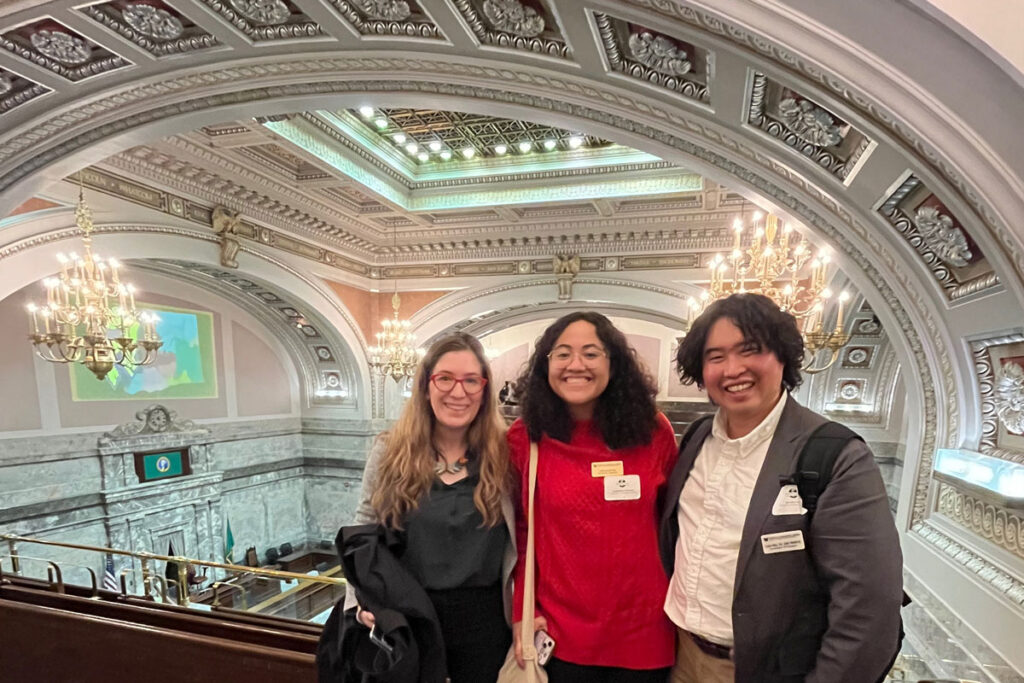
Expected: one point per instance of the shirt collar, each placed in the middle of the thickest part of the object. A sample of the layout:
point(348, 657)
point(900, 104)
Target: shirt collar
point(745, 444)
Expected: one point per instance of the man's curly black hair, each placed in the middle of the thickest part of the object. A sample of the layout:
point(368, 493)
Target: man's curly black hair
point(625, 413)
point(760, 320)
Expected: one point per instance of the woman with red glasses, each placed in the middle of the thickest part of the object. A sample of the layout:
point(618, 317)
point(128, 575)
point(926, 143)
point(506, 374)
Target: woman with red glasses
point(604, 456)
point(442, 475)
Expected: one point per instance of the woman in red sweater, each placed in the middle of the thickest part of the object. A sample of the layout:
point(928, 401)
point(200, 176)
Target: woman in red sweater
point(605, 453)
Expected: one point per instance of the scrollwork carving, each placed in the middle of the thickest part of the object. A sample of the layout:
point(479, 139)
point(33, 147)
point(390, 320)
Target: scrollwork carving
point(946, 240)
point(152, 21)
point(810, 122)
point(513, 17)
point(262, 12)
point(1009, 398)
point(659, 53)
point(61, 47)
point(384, 10)
point(154, 419)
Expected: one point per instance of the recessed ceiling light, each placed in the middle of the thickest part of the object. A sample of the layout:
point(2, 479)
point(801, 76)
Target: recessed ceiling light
point(575, 142)
point(422, 156)
point(446, 155)
point(549, 145)
point(468, 152)
point(412, 148)
point(399, 138)
point(525, 146)
point(367, 112)
point(435, 146)
point(381, 122)
point(500, 149)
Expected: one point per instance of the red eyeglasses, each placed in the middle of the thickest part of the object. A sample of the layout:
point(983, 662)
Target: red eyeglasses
point(473, 384)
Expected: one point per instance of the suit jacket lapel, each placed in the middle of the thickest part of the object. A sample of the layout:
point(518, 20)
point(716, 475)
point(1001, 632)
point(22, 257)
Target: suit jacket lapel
point(780, 461)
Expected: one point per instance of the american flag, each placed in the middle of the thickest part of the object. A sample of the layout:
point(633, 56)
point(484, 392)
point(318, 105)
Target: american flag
point(109, 577)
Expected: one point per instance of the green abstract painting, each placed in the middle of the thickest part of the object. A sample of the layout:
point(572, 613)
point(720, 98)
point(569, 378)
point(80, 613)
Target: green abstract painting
point(184, 366)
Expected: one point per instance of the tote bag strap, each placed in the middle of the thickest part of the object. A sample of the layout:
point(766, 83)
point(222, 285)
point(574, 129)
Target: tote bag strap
point(529, 651)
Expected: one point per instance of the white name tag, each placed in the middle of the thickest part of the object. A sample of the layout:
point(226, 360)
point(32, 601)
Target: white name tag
point(782, 542)
point(625, 487)
point(788, 501)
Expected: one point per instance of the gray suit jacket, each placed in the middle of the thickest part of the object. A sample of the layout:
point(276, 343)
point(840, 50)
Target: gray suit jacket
point(366, 515)
point(830, 613)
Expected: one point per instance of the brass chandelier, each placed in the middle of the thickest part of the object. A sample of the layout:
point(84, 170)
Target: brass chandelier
point(773, 265)
point(395, 354)
point(80, 323)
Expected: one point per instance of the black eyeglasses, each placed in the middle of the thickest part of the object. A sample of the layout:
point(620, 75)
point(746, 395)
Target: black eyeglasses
point(473, 384)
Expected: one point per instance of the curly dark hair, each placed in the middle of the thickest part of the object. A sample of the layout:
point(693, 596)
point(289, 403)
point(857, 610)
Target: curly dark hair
point(625, 413)
point(760, 320)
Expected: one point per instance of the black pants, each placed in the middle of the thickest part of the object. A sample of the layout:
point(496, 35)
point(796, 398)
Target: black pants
point(564, 672)
point(476, 637)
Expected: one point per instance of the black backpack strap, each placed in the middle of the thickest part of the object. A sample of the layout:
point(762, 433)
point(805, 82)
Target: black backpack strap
point(817, 459)
point(694, 427)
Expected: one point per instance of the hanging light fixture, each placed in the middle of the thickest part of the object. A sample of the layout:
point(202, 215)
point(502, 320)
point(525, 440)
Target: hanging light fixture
point(80, 324)
point(774, 265)
point(395, 354)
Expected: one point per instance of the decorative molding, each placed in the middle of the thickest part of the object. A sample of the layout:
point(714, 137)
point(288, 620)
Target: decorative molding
point(806, 127)
point(1010, 398)
point(16, 90)
point(549, 43)
point(995, 523)
point(155, 426)
point(96, 61)
point(681, 81)
point(942, 236)
point(387, 18)
point(264, 19)
point(977, 277)
point(985, 372)
point(986, 571)
point(194, 39)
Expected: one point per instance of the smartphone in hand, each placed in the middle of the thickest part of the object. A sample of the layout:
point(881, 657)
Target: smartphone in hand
point(545, 645)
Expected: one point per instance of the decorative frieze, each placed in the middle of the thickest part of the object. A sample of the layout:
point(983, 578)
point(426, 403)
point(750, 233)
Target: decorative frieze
point(16, 90)
point(388, 18)
point(943, 243)
point(160, 31)
point(991, 521)
point(63, 51)
point(655, 58)
point(265, 20)
point(806, 126)
point(514, 25)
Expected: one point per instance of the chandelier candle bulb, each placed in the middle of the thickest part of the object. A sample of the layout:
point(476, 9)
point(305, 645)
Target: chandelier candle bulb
point(32, 314)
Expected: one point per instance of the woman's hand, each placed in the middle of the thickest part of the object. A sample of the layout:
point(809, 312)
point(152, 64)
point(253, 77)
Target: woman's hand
point(539, 624)
point(365, 618)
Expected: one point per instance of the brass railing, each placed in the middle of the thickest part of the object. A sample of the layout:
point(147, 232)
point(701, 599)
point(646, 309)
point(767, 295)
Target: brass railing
point(148, 575)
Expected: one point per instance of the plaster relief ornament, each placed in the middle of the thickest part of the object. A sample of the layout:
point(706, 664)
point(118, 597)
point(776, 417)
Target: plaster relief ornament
point(566, 269)
point(385, 10)
point(809, 122)
point(262, 12)
point(61, 47)
point(659, 53)
point(225, 224)
point(1009, 398)
point(513, 17)
point(153, 22)
point(5, 84)
point(849, 391)
point(945, 239)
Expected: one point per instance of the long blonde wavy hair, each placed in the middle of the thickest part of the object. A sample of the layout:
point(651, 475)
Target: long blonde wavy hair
point(407, 465)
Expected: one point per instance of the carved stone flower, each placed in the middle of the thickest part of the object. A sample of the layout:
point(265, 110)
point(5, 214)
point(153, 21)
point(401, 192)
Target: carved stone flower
point(262, 12)
point(385, 10)
point(809, 122)
point(1009, 399)
point(511, 16)
point(659, 53)
point(945, 239)
point(153, 22)
point(6, 85)
point(62, 47)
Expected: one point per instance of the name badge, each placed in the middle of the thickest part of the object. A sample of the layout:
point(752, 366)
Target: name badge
point(607, 468)
point(625, 487)
point(782, 542)
point(788, 501)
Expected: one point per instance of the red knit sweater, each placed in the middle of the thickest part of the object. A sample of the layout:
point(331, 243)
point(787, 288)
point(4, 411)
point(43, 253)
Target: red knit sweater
point(599, 579)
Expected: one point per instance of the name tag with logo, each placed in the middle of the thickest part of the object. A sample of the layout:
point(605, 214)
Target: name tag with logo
point(607, 468)
point(782, 542)
point(788, 501)
point(625, 487)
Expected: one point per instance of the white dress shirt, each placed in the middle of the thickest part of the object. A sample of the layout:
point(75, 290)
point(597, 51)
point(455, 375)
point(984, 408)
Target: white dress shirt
point(712, 510)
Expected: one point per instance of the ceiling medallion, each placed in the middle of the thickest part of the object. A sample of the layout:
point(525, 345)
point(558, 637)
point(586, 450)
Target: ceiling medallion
point(262, 12)
point(60, 46)
point(809, 122)
point(152, 21)
point(6, 85)
point(945, 239)
point(1009, 398)
point(659, 53)
point(385, 10)
point(773, 266)
point(513, 17)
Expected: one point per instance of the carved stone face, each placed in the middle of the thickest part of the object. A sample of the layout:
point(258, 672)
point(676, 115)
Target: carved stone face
point(157, 420)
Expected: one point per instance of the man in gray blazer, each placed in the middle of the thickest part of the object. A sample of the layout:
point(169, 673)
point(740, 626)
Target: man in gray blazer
point(759, 592)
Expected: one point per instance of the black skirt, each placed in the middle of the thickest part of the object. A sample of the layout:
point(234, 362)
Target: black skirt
point(476, 636)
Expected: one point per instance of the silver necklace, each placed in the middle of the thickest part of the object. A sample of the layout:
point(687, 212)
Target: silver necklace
point(443, 466)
